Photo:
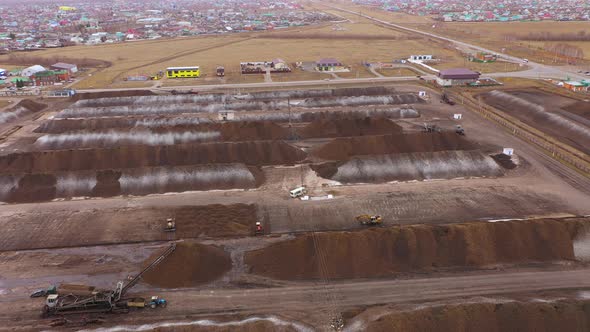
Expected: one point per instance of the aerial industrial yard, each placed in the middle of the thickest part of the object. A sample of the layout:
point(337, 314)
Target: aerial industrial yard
point(365, 201)
point(90, 184)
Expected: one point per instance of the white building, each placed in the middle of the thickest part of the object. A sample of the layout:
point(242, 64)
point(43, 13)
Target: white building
point(28, 72)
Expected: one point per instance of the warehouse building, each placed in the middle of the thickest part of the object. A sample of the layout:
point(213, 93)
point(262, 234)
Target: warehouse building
point(457, 76)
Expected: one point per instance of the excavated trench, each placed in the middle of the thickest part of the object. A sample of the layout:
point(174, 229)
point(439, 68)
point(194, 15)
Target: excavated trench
point(381, 252)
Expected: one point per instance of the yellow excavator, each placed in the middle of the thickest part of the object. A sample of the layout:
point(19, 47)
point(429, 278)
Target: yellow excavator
point(369, 220)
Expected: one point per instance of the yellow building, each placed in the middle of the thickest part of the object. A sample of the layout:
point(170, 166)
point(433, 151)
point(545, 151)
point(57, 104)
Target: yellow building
point(66, 8)
point(183, 72)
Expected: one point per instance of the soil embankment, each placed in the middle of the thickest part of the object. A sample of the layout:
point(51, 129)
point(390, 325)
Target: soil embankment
point(344, 148)
point(24, 107)
point(411, 166)
point(249, 153)
point(37, 187)
point(191, 264)
point(533, 316)
point(383, 252)
point(345, 127)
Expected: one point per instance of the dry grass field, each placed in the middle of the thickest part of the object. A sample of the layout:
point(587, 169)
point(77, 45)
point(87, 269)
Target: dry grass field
point(396, 72)
point(4, 103)
point(351, 42)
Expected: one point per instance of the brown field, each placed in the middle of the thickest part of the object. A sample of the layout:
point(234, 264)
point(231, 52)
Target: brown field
point(149, 57)
point(4, 103)
point(487, 34)
point(391, 72)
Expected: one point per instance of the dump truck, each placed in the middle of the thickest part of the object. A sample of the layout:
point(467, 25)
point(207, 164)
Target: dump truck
point(369, 220)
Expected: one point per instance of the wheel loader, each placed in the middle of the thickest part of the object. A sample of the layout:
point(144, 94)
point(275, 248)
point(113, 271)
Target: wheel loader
point(369, 220)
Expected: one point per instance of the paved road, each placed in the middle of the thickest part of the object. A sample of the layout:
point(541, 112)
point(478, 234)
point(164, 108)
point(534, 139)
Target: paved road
point(536, 70)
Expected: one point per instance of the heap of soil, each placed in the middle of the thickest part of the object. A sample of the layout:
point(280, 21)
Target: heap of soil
point(504, 161)
point(249, 153)
point(256, 326)
point(564, 315)
point(38, 187)
point(581, 108)
point(215, 220)
point(383, 252)
point(344, 127)
point(410, 166)
point(111, 94)
point(250, 131)
point(191, 264)
point(30, 105)
point(344, 148)
point(107, 184)
point(33, 188)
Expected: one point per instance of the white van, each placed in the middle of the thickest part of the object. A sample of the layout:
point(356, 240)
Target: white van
point(298, 192)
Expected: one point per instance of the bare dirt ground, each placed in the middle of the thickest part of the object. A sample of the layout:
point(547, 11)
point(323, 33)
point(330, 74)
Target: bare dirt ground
point(223, 272)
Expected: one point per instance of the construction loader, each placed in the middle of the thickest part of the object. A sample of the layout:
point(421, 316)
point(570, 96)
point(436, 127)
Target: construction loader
point(369, 220)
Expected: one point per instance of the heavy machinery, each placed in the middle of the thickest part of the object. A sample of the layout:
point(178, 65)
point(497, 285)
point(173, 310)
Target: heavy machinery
point(369, 220)
point(459, 130)
point(153, 303)
point(170, 225)
point(220, 71)
point(431, 128)
point(84, 299)
point(259, 230)
point(444, 98)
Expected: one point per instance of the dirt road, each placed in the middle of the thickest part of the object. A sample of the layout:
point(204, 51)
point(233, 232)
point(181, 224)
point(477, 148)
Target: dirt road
point(326, 299)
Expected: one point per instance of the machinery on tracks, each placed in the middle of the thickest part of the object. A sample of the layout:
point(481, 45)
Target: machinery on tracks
point(80, 299)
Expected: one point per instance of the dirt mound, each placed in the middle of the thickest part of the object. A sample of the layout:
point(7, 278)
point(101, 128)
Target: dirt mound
point(564, 315)
point(250, 153)
point(215, 220)
point(344, 148)
point(386, 251)
point(30, 105)
point(247, 325)
point(111, 94)
point(504, 161)
point(33, 188)
point(191, 264)
point(23, 108)
point(538, 111)
point(411, 166)
point(581, 108)
point(21, 188)
point(350, 127)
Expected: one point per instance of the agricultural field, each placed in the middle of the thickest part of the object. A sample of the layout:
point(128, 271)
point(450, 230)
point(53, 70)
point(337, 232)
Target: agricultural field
point(370, 43)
